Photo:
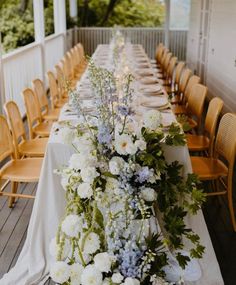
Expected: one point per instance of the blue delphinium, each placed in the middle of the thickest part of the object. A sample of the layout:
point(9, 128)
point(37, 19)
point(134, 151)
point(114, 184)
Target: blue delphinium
point(104, 134)
point(143, 174)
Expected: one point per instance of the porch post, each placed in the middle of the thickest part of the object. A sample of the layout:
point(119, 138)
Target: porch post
point(167, 23)
point(60, 18)
point(39, 30)
point(2, 89)
point(73, 9)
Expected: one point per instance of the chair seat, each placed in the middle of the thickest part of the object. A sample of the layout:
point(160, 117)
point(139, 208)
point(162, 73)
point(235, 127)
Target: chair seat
point(33, 148)
point(197, 143)
point(43, 129)
point(208, 168)
point(22, 170)
point(178, 109)
point(52, 115)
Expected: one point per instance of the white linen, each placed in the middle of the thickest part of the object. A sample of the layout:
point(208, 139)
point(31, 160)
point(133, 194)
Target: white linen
point(33, 263)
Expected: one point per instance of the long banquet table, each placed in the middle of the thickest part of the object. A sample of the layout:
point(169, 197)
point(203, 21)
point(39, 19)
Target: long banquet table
point(33, 264)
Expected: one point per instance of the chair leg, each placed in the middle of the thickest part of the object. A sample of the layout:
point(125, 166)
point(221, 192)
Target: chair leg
point(11, 201)
point(231, 209)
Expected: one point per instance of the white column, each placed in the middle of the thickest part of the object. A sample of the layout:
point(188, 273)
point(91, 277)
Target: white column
point(59, 7)
point(39, 30)
point(73, 9)
point(2, 89)
point(167, 23)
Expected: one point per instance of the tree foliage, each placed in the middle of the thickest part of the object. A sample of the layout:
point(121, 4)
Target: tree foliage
point(17, 21)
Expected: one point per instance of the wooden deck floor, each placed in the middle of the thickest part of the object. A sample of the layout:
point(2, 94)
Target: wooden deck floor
point(14, 222)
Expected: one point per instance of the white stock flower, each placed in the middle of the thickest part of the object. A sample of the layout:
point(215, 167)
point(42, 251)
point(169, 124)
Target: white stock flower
point(116, 164)
point(88, 174)
point(91, 276)
point(152, 119)
point(54, 249)
point(92, 243)
point(103, 261)
point(72, 225)
point(60, 272)
point(117, 277)
point(148, 194)
point(141, 144)
point(76, 271)
point(85, 190)
point(124, 144)
point(131, 281)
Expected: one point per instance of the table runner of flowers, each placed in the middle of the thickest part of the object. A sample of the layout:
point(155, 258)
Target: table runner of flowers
point(126, 205)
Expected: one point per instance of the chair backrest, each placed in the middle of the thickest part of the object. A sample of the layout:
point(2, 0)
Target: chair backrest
point(81, 50)
point(167, 61)
point(184, 80)
point(171, 67)
point(159, 52)
point(212, 116)
point(178, 71)
point(54, 92)
point(15, 122)
point(196, 101)
point(32, 109)
point(164, 55)
point(225, 145)
point(61, 80)
point(40, 93)
point(6, 143)
point(194, 79)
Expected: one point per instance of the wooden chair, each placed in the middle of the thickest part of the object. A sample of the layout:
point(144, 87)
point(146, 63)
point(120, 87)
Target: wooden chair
point(37, 127)
point(205, 142)
point(42, 102)
point(163, 73)
point(159, 52)
point(195, 105)
point(23, 147)
point(56, 101)
point(182, 108)
point(173, 88)
point(219, 168)
point(170, 72)
point(83, 61)
point(61, 82)
point(15, 170)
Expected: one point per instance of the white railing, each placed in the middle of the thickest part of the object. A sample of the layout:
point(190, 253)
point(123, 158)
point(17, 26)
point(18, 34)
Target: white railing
point(148, 37)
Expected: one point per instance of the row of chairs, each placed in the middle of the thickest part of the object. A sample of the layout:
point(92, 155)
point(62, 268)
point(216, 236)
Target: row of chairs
point(212, 151)
point(22, 157)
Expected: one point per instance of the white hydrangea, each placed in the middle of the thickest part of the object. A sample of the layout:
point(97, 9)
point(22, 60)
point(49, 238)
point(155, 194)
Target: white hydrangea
point(92, 243)
point(116, 164)
point(117, 278)
point(124, 144)
point(141, 144)
point(82, 160)
point(60, 272)
point(148, 194)
point(88, 174)
point(85, 190)
point(152, 119)
point(91, 276)
point(103, 261)
point(76, 271)
point(54, 248)
point(131, 281)
point(72, 225)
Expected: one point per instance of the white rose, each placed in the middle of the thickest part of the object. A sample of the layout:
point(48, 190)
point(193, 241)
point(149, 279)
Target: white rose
point(92, 243)
point(148, 194)
point(116, 164)
point(60, 272)
point(76, 271)
point(103, 261)
point(88, 174)
point(131, 281)
point(54, 249)
point(141, 144)
point(91, 276)
point(117, 277)
point(72, 225)
point(152, 119)
point(124, 144)
point(85, 190)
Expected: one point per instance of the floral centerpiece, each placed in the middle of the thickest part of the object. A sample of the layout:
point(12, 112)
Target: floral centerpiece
point(126, 205)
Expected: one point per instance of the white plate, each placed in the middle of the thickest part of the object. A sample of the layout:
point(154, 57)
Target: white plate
point(145, 72)
point(158, 104)
point(151, 89)
point(148, 80)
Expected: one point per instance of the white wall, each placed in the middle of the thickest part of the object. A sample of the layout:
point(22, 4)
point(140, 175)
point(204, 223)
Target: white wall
point(221, 49)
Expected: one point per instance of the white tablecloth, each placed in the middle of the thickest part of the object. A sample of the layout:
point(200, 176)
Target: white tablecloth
point(33, 263)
